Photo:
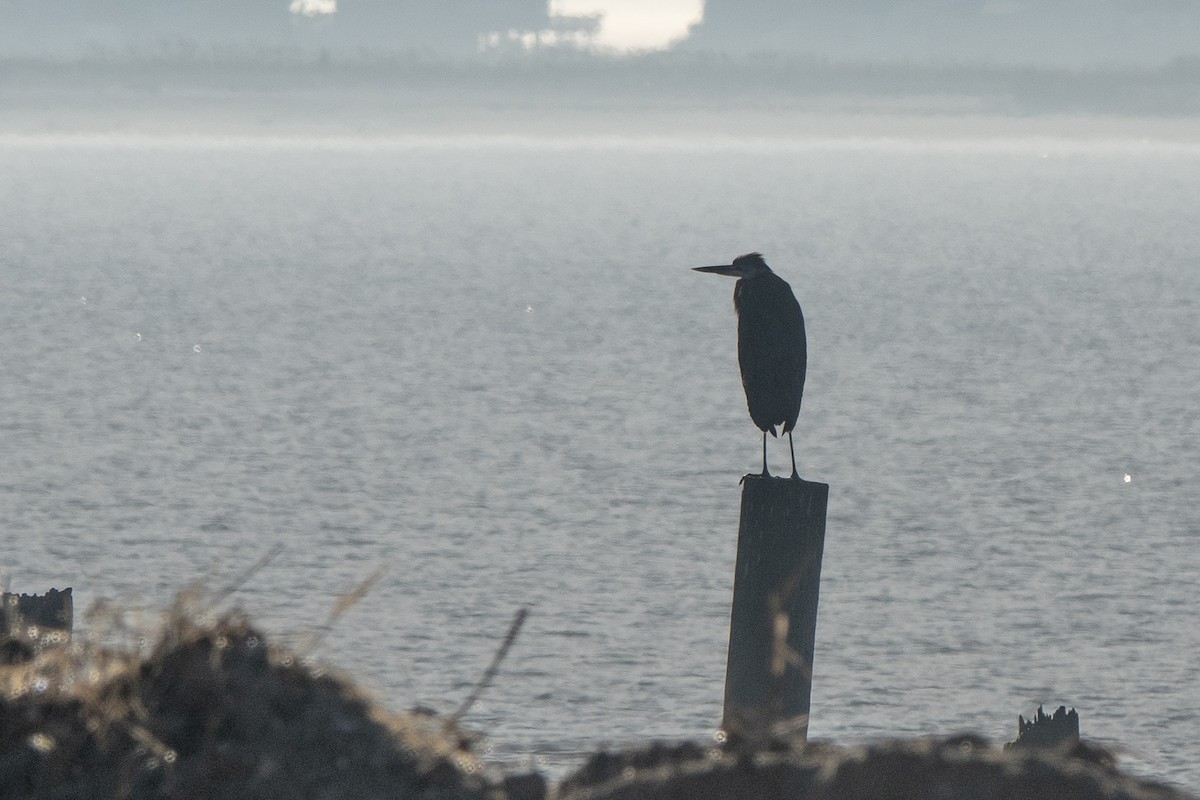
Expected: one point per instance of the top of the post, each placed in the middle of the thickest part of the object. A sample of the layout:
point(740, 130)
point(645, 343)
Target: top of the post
point(790, 492)
point(777, 480)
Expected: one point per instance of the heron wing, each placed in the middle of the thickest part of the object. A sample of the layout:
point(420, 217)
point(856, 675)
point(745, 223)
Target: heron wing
point(772, 351)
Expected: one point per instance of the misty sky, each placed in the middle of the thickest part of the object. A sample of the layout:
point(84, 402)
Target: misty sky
point(1047, 32)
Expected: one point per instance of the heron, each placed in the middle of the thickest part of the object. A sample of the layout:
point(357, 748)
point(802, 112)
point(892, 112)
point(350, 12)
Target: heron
point(772, 349)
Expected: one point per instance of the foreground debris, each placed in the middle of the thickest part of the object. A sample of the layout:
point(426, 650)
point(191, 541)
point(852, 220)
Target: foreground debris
point(212, 711)
point(961, 767)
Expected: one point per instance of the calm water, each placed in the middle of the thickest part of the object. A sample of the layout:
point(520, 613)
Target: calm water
point(486, 366)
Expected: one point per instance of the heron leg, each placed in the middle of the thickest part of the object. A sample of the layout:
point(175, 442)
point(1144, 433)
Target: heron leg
point(792, 447)
point(765, 474)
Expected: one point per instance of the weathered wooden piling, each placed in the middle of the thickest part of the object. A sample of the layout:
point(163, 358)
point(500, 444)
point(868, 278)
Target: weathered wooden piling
point(1045, 730)
point(773, 622)
point(31, 622)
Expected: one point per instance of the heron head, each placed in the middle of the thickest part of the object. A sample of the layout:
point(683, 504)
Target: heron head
point(750, 265)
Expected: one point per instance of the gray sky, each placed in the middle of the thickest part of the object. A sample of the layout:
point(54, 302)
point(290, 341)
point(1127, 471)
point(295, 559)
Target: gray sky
point(1042, 32)
point(1048, 32)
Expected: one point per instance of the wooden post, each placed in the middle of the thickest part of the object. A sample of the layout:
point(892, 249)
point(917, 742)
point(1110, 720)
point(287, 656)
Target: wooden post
point(1058, 730)
point(773, 623)
point(30, 623)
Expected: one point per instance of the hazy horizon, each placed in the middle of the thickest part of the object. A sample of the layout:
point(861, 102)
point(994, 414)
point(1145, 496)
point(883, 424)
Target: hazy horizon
point(175, 89)
point(577, 66)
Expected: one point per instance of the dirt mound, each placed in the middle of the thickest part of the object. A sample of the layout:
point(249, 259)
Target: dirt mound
point(955, 768)
point(214, 712)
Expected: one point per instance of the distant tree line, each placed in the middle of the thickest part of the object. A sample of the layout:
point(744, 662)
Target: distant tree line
point(571, 77)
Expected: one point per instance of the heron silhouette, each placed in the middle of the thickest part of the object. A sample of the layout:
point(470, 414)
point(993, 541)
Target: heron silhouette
point(772, 349)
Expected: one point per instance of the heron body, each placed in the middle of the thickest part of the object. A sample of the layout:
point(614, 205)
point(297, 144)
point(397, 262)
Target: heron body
point(772, 348)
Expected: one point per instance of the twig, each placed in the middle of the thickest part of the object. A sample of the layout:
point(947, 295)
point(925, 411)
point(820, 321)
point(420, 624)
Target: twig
point(248, 573)
point(344, 604)
point(492, 669)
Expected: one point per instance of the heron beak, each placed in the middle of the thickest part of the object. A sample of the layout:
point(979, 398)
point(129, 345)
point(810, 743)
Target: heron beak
point(723, 269)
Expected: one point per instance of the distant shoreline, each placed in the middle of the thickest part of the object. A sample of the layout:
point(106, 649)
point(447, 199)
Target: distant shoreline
point(695, 96)
point(217, 122)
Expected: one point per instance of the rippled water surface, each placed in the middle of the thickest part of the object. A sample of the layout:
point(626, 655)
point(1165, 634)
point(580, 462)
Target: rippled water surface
point(486, 366)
